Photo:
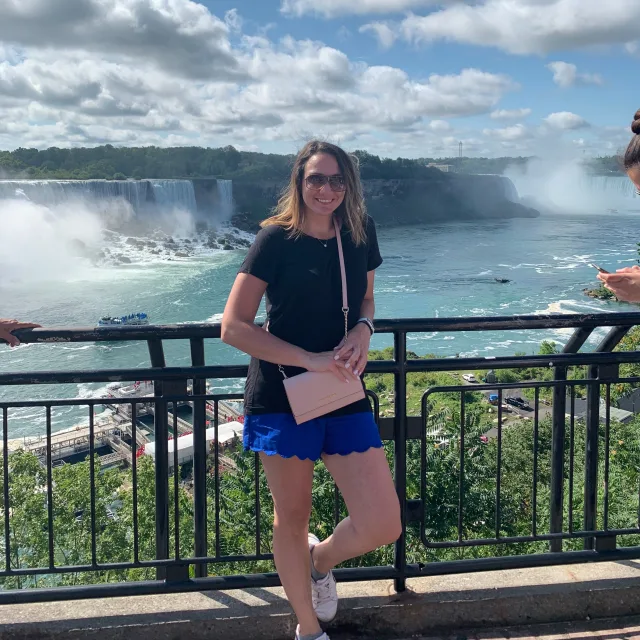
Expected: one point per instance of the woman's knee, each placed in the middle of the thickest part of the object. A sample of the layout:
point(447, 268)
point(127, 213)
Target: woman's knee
point(390, 525)
point(381, 526)
point(292, 516)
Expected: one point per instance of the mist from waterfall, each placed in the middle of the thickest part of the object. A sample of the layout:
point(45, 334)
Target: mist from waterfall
point(57, 229)
point(565, 186)
point(41, 243)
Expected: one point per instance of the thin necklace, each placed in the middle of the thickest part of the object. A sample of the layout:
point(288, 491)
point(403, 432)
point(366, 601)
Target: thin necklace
point(324, 243)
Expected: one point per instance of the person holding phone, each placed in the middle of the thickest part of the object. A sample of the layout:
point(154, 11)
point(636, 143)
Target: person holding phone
point(7, 327)
point(294, 261)
point(625, 283)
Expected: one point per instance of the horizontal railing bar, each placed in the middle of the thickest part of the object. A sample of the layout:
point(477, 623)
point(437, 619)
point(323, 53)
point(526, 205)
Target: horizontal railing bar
point(502, 323)
point(541, 537)
point(123, 375)
point(535, 384)
point(155, 587)
point(141, 564)
point(514, 362)
point(471, 565)
point(406, 325)
point(376, 366)
point(96, 402)
point(532, 560)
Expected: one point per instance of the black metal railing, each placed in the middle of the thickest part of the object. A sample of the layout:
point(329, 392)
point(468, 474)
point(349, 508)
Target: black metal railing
point(179, 570)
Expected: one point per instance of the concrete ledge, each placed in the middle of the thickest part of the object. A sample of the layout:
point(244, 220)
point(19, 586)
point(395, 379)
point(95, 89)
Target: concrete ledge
point(431, 605)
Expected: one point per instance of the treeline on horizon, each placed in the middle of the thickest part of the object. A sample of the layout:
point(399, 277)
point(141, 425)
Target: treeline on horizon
point(119, 163)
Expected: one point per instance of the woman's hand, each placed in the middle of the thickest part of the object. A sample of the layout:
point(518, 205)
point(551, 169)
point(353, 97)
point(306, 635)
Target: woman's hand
point(628, 269)
point(353, 350)
point(7, 326)
point(326, 361)
point(624, 284)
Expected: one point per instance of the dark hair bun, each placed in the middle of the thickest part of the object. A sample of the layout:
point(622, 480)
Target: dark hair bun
point(635, 127)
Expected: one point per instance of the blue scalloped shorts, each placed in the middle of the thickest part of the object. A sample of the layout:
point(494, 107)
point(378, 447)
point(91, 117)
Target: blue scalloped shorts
point(278, 434)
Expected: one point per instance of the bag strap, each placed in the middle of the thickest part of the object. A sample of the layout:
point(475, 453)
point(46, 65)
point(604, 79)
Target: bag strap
point(343, 277)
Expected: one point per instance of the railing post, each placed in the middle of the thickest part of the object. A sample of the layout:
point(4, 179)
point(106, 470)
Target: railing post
point(161, 434)
point(557, 457)
point(199, 459)
point(400, 452)
point(557, 439)
point(608, 344)
point(591, 457)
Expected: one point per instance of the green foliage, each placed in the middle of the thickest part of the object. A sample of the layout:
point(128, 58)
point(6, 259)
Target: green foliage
point(600, 293)
point(548, 348)
point(109, 162)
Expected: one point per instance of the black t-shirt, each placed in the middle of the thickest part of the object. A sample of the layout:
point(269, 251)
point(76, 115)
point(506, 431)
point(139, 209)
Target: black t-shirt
point(304, 302)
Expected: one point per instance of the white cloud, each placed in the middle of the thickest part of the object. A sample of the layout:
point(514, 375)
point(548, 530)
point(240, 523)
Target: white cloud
point(528, 26)
point(385, 35)
point(566, 75)
point(566, 120)
point(61, 85)
point(180, 36)
point(439, 125)
point(333, 8)
point(510, 114)
point(233, 20)
point(516, 132)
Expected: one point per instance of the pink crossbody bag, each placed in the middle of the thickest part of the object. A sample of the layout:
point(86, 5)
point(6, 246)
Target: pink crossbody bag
point(314, 394)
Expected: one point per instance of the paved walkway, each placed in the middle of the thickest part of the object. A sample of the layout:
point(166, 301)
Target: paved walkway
point(606, 629)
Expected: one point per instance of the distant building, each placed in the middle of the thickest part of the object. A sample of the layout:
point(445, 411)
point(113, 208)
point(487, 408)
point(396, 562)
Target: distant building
point(580, 411)
point(630, 402)
point(491, 377)
point(442, 167)
point(228, 433)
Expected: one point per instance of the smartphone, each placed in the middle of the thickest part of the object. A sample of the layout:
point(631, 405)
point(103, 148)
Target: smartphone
point(600, 269)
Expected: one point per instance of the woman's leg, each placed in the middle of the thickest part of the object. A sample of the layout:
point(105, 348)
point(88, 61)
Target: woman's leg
point(365, 481)
point(290, 481)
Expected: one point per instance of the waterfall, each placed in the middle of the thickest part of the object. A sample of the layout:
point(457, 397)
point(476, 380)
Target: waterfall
point(509, 189)
point(54, 192)
point(144, 196)
point(225, 198)
point(174, 194)
point(617, 186)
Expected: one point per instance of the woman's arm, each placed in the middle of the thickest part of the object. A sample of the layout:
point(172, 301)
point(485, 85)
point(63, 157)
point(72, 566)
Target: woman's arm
point(368, 307)
point(355, 349)
point(240, 331)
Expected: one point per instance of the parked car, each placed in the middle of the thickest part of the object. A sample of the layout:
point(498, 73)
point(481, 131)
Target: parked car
point(493, 399)
point(469, 377)
point(518, 402)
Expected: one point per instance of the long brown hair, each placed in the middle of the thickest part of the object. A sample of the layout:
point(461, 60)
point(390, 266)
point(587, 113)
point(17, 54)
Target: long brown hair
point(289, 212)
point(632, 155)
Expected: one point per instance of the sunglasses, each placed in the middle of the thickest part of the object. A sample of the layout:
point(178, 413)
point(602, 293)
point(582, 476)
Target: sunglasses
point(316, 181)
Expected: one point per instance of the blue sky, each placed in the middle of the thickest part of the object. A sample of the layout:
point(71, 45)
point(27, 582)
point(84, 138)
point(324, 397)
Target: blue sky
point(396, 77)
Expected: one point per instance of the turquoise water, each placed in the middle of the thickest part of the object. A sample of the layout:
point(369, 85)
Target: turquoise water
point(434, 271)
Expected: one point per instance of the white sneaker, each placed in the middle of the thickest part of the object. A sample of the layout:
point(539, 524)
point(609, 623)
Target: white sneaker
point(324, 636)
point(324, 593)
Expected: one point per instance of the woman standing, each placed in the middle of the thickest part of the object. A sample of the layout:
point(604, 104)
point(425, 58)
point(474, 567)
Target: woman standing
point(294, 260)
point(625, 283)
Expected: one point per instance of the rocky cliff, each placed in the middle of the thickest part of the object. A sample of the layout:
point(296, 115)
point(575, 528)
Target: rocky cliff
point(442, 197)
